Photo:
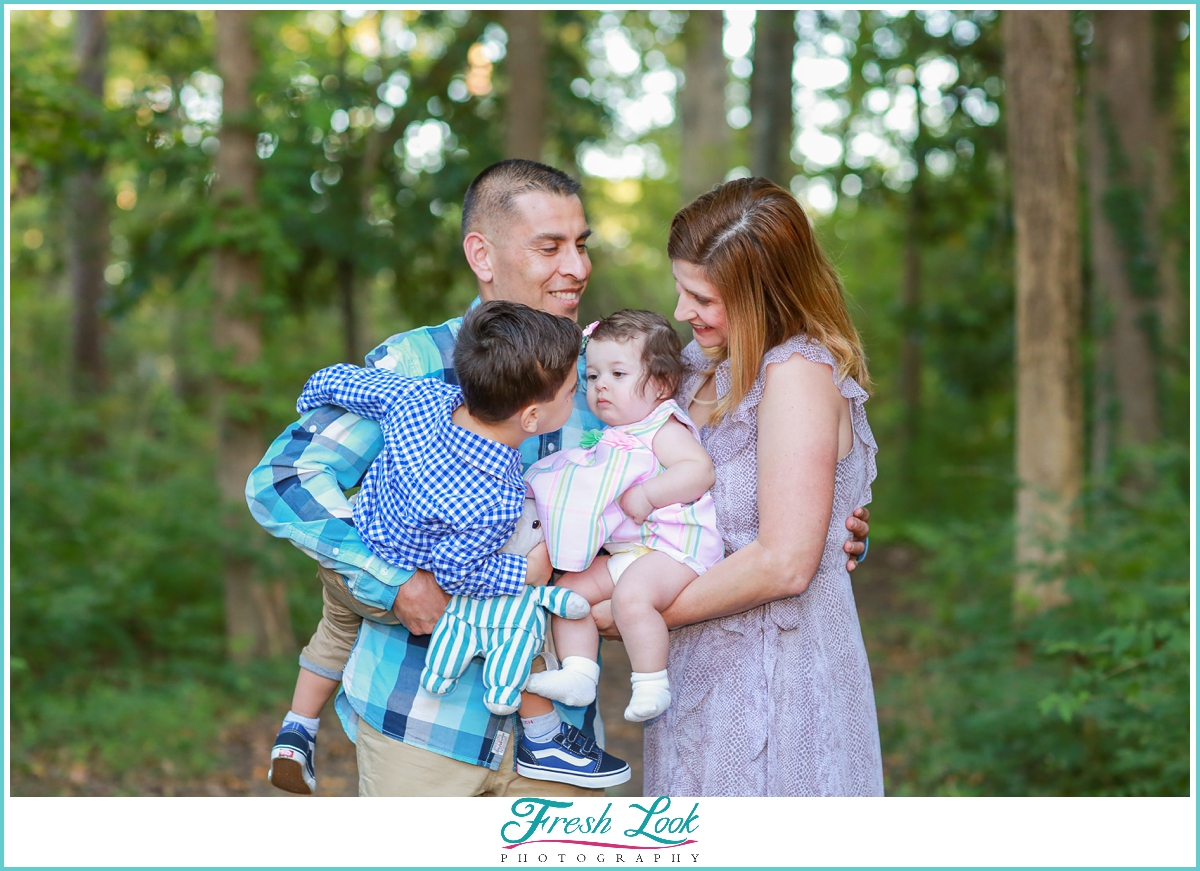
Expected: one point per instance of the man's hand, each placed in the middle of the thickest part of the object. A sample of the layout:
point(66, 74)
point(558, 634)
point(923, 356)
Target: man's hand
point(635, 504)
point(855, 546)
point(539, 570)
point(420, 602)
point(602, 614)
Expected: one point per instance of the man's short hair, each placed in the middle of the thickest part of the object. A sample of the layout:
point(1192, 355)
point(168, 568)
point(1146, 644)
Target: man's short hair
point(509, 356)
point(493, 192)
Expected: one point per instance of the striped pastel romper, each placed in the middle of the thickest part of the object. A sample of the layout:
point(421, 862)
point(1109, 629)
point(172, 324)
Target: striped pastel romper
point(578, 493)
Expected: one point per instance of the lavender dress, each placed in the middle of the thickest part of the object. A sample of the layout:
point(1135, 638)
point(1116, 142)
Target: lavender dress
point(776, 700)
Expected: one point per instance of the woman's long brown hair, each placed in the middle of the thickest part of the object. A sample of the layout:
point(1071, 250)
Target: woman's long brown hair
point(758, 250)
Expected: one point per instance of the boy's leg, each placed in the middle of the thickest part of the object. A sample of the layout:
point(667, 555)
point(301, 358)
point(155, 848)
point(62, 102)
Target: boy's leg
point(647, 587)
point(321, 663)
point(341, 617)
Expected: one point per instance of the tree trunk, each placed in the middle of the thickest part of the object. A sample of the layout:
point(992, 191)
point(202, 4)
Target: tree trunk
point(910, 352)
point(346, 293)
point(705, 153)
point(525, 113)
point(87, 213)
point(1121, 154)
point(1039, 70)
point(771, 95)
point(256, 615)
point(1162, 183)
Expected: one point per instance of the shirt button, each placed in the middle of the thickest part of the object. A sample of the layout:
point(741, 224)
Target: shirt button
point(551, 446)
point(336, 551)
point(312, 429)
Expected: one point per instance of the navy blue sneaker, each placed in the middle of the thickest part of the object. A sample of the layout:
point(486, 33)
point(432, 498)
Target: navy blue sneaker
point(570, 757)
point(292, 760)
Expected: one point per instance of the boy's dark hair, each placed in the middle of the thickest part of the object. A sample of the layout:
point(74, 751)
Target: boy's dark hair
point(662, 352)
point(490, 196)
point(509, 356)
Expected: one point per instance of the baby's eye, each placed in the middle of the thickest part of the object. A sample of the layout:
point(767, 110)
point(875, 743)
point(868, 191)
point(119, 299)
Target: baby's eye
point(591, 376)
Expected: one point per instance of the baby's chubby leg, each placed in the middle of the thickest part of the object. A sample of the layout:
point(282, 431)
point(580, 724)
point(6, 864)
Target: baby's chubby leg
point(576, 642)
point(647, 587)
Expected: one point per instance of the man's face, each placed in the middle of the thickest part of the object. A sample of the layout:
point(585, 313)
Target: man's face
point(539, 256)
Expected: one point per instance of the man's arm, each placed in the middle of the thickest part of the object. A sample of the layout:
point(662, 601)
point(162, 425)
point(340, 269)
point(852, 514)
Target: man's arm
point(297, 491)
point(856, 547)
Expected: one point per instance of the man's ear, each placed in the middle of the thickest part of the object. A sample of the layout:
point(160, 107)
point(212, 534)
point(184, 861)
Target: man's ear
point(528, 417)
point(479, 256)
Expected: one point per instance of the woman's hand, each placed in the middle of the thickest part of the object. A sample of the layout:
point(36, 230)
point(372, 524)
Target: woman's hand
point(635, 504)
point(857, 545)
point(539, 570)
point(602, 614)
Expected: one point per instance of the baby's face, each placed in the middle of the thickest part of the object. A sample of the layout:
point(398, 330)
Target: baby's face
point(614, 370)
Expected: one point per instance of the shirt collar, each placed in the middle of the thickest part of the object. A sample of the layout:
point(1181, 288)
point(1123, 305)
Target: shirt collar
point(488, 456)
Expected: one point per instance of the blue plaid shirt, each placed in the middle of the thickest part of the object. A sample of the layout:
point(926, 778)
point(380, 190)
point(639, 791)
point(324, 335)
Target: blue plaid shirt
point(297, 492)
point(438, 496)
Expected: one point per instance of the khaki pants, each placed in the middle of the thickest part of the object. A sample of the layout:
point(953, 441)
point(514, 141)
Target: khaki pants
point(341, 617)
point(387, 767)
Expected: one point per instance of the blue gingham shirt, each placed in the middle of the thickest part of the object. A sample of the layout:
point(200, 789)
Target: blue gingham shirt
point(438, 497)
point(297, 492)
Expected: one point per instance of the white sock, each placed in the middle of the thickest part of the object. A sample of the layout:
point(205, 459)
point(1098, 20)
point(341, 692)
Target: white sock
point(542, 727)
point(310, 724)
point(651, 695)
point(574, 684)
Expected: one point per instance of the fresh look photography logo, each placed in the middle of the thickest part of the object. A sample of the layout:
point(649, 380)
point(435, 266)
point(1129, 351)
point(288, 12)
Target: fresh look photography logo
point(543, 831)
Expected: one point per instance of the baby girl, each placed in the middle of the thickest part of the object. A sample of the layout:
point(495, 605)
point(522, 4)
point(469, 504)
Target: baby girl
point(639, 488)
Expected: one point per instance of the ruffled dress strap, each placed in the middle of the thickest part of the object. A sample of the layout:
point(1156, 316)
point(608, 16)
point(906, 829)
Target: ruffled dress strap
point(646, 428)
point(816, 352)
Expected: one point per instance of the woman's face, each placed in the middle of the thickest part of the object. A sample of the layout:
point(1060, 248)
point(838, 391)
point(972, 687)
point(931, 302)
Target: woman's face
point(699, 305)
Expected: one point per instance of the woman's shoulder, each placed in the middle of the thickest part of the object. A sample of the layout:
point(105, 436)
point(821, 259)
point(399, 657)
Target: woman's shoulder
point(814, 351)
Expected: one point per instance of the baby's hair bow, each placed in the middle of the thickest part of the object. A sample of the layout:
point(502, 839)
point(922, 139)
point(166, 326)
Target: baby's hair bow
point(587, 334)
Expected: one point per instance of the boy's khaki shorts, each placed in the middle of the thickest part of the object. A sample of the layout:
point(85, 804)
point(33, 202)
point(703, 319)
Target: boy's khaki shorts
point(341, 617)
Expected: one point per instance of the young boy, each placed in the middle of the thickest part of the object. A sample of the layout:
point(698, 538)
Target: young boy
point(444, 495)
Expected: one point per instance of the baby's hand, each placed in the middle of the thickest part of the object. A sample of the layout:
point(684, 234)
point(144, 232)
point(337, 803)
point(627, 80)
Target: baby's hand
point(539, 570)
point(635, 504)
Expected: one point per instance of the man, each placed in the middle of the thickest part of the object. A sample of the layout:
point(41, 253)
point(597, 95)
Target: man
point(524, 237)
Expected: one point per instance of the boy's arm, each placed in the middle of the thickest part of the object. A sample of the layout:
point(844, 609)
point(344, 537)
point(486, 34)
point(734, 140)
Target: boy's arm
point(460, 569)
point(368, 393)
point(688, 473)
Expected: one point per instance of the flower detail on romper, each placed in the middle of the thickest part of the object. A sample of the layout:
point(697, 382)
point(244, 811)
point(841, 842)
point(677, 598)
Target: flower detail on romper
point(590, 439)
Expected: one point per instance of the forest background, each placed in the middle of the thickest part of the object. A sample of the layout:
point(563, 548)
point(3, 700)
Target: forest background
point(206, 207)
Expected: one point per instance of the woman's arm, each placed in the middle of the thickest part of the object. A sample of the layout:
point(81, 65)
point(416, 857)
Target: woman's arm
point(687, 473)
point(798, 428)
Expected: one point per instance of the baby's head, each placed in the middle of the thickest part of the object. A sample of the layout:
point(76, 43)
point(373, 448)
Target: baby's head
point(634, 362)
point(514, 361)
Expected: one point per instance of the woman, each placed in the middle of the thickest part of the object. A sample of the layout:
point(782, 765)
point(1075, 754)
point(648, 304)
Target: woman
point(774, 692)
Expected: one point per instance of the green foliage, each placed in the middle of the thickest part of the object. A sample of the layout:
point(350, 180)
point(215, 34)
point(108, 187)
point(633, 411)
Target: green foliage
point(117, 533)
point(1086, 699)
